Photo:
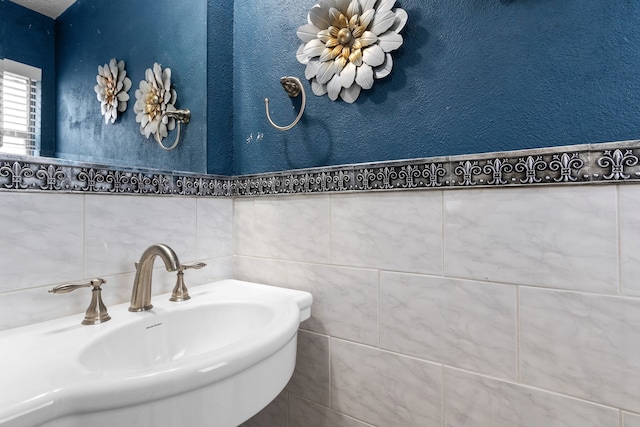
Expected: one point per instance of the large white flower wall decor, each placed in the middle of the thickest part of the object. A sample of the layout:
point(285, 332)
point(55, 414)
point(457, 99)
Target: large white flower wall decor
point(112, 89)
point(154, 98)
point(347, 44)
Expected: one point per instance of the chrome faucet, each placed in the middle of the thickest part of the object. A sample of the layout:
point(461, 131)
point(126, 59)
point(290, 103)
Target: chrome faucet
point(141, 295)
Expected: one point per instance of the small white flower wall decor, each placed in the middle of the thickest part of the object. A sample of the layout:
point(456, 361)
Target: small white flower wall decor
point(112, 89)
point(347, 44)
point(155, 97)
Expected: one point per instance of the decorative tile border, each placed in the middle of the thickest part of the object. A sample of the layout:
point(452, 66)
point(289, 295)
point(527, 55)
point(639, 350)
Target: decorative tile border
point(617, 162)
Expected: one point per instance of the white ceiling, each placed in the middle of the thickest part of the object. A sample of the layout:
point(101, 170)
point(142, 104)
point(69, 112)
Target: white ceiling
point(50, 8)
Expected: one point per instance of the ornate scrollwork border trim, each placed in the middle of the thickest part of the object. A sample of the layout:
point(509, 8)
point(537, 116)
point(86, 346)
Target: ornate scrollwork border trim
point(615, 162)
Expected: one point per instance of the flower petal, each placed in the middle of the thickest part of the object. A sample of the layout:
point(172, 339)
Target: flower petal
point(353, 9)
point(390, 41)
point(347, 75)
point(367, 4)
point(300, 56)
point(317, 88)
point(368, 38)
point(367, 17)
point(373, 55)
point(385, 69)
point(342, 5)
point(401, 20)
point(334, 87)
point(382, 22)
point(326, 72)
point(314, 48)
point(384, 5)
point(350, 94)
point(364, 76)
point(312, 69)
point(319, 17)
point(308, 32)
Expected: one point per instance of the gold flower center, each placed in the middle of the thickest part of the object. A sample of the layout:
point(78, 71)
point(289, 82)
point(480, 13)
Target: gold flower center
point(345, 37)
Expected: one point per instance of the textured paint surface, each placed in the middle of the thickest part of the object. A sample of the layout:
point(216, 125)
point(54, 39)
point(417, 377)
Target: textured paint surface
point(219, 86)
point(89, 34)
point(472, 76)
point(28, 37)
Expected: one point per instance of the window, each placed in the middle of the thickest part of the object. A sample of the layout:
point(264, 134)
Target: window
point(19, 108)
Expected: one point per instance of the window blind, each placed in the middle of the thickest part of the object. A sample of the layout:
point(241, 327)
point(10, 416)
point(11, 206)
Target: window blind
point(19, 108)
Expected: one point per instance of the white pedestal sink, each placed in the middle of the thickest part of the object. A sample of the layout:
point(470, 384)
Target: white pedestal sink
point(214, 360)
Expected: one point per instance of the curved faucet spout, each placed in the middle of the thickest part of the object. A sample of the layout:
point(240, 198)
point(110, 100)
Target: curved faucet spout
point(141, 295)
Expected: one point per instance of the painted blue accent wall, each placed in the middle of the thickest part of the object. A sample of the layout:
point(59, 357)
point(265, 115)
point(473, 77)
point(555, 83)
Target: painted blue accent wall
point(220, 86)
point(29, 37)
point(140, 32)
point(472, 76)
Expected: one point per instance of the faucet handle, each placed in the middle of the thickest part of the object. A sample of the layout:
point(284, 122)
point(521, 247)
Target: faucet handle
point(195, 265)
point(180, 292)
point(96, 312)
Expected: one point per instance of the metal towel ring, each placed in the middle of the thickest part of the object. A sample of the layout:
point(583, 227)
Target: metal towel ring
point(293, 87)
point(181, 116)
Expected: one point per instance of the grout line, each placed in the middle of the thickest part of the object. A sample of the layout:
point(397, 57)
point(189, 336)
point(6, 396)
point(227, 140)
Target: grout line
point(619, 241)
point(517, 326)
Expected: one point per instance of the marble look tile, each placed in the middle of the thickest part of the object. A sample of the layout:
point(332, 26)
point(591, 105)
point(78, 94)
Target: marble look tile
point(216, 269)
point(41, 239)
point(120, 228)
point(560, 237)
point(582, 345)
point(260, 270)
point(472, 400)
point(384, 389)
point(630, 420)
point(630, 239)
point(311, 376)
point(28, 306)
point(294, 228)
point(274, 415)
point(243, 223)
point(214, 222)
point(399, 231)
point(303, 413)
point(465, 324)
point(345, 300)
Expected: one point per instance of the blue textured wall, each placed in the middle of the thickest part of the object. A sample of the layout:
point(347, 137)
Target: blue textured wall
point(220, 86)
point(140, 32)
point(29, 37)
point(472, 76)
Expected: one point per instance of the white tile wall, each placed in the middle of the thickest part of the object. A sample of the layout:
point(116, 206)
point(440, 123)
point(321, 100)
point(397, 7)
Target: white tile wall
point(47, 239)
point(507, 307)
point(473, 401)
point(466, 324)
point(563, 237)
point(503, 307)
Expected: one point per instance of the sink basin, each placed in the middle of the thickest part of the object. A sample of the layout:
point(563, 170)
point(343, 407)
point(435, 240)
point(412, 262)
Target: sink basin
point(214, 360)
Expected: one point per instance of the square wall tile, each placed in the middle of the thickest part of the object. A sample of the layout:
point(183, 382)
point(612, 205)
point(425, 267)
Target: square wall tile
point(41, 239)
point(630, 239)
point(243, 218)
point(294, 228)
point(345, 300)
point(559, 237)
point(120, 228)
point(303, 413)
point(311, 376)
point(473, 401)
point(274, 415)
point(215, 223)
point(384, 389)
point(260, 270)
point(400, 231)
point(470, 325)
point(583, 345)
point(630, 420)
